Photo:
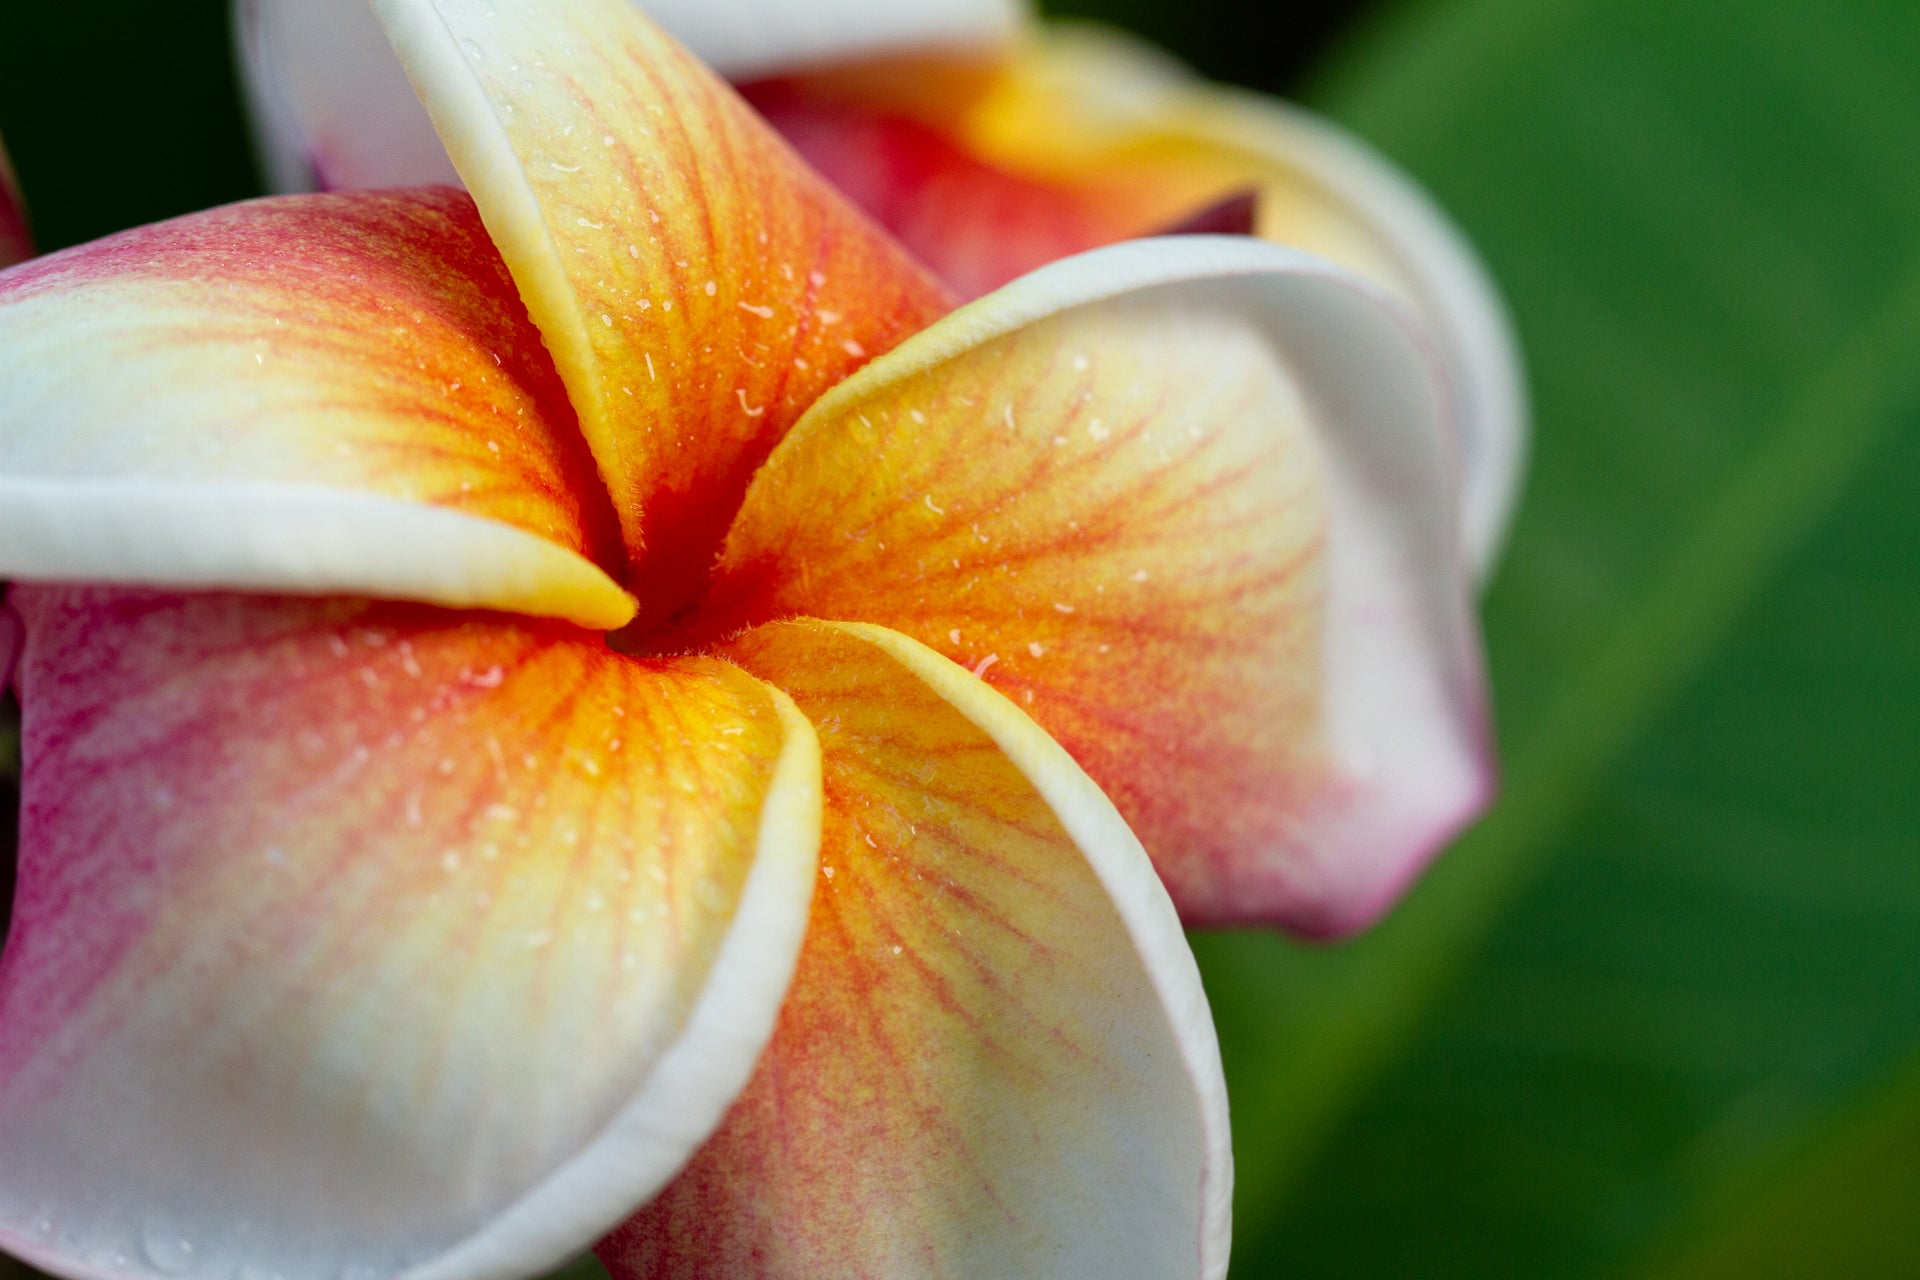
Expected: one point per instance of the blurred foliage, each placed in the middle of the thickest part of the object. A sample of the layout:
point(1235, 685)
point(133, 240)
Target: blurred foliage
point(120, 113)
point(1658, 1018)
point(1624, 1027)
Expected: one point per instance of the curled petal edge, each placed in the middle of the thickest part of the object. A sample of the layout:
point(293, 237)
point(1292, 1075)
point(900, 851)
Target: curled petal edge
point(292, 539)
point(690, 1088)
point(1121, 865)
point(1406, 715)
point(1124, 84)
point(1456, 296)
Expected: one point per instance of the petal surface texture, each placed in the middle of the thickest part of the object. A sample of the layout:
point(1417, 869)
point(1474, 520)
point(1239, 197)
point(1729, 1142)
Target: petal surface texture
point(996, 1059)
point(313, 394)
point(16, 242)
point(354, 938)
point(1089, 137)
point(740, 38)
point(698, 286)
point(1187, 502)
point(332, 109)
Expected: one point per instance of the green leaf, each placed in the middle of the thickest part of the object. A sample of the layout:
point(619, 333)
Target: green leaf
point(1688, 938)
point(1841, 1207)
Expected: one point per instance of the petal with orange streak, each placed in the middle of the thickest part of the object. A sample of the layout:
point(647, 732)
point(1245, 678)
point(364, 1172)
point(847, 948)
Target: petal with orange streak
point(698, 286)
point(996, 1059)
point(16, 241)
point(1087, 137)
point(361, 939)
point(315, 394)
point(332, 109)
point(1188, 502)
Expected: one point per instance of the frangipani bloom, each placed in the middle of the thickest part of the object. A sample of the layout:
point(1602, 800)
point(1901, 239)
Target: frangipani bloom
point(379, 914)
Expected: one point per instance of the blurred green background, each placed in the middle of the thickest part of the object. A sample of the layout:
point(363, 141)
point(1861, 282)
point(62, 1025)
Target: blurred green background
point(1659, 1015)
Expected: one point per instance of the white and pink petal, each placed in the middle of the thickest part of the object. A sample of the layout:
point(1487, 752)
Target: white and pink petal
point(996, 1059)
point(312, 394)
point(359, 939)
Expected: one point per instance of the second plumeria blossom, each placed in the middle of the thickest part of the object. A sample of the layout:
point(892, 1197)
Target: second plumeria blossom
point(599, 710)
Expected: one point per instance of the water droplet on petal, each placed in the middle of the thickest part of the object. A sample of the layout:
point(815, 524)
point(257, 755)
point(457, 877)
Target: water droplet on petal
point(170, 1252)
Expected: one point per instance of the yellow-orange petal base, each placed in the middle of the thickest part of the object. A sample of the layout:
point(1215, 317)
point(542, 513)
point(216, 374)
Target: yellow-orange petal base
point(698, 286)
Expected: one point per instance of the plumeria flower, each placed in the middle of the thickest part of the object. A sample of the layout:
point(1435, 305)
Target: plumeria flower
point(597, 710)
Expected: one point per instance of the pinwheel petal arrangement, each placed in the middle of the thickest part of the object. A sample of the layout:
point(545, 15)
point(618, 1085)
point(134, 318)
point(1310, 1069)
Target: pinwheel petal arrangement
point(599, 709)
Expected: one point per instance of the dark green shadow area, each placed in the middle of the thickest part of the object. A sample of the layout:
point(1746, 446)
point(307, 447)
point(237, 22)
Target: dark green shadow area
point(119, 113)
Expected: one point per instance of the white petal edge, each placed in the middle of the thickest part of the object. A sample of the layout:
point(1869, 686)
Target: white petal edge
point(1118, 861)
point(742, 39)
point(1406, 698)
point(305, 540)
point(332, 109)
point(690, 1087)
point(1458, 300)
point(693, 1084)
point(1447, 281)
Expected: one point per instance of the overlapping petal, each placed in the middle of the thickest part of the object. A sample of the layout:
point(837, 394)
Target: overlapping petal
point(316, 394)
point(1186, 503)
point(996, 1059)
point(1088, 137)
point(353, 938)
point(333, 109)
point(16, 242)
point(698, 287)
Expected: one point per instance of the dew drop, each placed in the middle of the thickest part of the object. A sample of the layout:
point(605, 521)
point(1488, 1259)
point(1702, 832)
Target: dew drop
point(170, 1252)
